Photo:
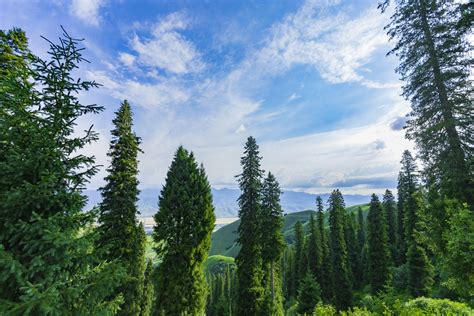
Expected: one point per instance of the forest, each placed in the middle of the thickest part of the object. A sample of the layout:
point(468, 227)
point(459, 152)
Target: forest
point(409, 252)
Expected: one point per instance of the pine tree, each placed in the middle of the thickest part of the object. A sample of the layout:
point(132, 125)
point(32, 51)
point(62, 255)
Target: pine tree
point(300, 255)
point(309, 294)
point(314, 248)
point(340, 264)
point(324, 276)
point(272, 241)
point(119, 230)
point(378, 253)
point(359, 276)
point(433, 48)
point(389, 207)
point(182, 232)
point(408, 186)
point(148, 291)
point(351, 242)
point(401, 242)
point(249, 259)
point(47, 261)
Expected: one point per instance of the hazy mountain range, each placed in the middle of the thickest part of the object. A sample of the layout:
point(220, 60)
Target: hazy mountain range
point(225, 201)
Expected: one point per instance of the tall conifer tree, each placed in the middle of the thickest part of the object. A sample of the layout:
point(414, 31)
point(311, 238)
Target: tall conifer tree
point(272, 242)
point(184, 224)
point(324, 276)
point(436, 65)
point(389, 207)
point(314, 248)
point(300, 254)
point(378, 252)
point(340, 264)
point(47, 261)
point(249, 259)
point(119, 230)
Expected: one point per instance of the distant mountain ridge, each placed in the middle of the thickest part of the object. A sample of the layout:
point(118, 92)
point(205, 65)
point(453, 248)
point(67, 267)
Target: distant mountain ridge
point(225, 201)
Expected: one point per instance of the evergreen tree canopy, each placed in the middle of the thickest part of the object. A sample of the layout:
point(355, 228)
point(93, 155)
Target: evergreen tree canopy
point(119, 231)
point(389, 207)
point(340, 265)
point(309, 294)
point(249, 259)
point(47, 261)
point(182, 232)
point(436, 65)
point(378, 253)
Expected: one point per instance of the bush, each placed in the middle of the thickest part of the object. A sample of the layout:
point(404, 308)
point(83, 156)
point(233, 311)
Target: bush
point(430, 306)
point(324, 310)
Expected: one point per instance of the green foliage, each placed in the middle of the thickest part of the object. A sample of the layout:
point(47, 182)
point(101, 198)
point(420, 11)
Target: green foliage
point(272, 244)
point(389, 207)
point(249, 259)
point(121, 236)
point(183, 227)
point(340, 266)
point(324, 310)
point(324, 276)
point(148, 291)
point(459, 261)
point(309, 294)
point(378, 253)
point(47, 261)
point(436, 65)
point(429, 306)
point(300, 254)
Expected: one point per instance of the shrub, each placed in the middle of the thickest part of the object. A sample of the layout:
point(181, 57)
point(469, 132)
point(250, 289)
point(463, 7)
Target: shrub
point(430, 306)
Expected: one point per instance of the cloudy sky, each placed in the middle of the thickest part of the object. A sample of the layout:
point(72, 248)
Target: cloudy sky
point(309, 79)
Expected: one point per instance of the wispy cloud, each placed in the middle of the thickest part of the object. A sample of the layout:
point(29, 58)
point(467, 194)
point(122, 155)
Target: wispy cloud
point(87, 10)
point(167, 49)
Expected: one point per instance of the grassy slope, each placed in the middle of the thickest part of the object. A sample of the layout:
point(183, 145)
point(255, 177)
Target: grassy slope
point(223, 240)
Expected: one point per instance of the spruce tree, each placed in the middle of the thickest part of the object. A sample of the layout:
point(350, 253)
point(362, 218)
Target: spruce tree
point(119, 230)
point(378, 252)
point(148, 291)
point(408, 186)
point(182, 232)
point(309, 294)
point(272, 241)
point(389, 207)
point(324, 276)
point(300, 255)
point(314, 248)
point(436, 65)
point(47, 261)
point(340, 264)
point(401, 242)
point(351, 242)
point(249, 259)
point(360, 234)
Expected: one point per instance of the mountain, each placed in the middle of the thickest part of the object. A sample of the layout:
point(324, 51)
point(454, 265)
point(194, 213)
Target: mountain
point(224, 240)
point(225, 201)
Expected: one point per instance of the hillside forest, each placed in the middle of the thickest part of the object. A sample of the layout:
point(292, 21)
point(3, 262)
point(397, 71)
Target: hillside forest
point(409, 252)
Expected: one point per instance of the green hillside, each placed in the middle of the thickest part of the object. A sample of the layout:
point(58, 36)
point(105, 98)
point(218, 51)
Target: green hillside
point(224, 240)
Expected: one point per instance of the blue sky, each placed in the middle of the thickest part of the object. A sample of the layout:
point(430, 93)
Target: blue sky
point(309, 79)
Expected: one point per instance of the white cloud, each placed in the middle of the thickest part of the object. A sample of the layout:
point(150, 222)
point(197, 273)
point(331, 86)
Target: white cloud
point(167, 48)
point(87, 10)
point(126, 58)
point(160, 94)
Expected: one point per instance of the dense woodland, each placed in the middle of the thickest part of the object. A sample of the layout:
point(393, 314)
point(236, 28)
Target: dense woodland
point(409, 253)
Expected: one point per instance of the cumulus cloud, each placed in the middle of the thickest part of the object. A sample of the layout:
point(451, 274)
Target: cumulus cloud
point(87, 10)
point(126, 58)
point(167, 49)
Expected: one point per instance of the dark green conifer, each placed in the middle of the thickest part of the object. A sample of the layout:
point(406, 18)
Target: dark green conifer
point(148, 291)
point(249, 259)
point(47, 261)
point(309, 294)
point(272, 242)
point(389, 207)
point(324, 276)
point(300, 254)
point(119, 230)
point(378, 253)
point(340, 264)
point(182, 232)
point(433, 46)
point(314, 248)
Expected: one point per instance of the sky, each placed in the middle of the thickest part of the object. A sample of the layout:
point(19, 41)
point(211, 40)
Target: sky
point(309, 79)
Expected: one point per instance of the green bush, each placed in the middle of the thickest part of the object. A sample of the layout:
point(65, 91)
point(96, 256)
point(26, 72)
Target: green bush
point(324, 310)
point(429, 306)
